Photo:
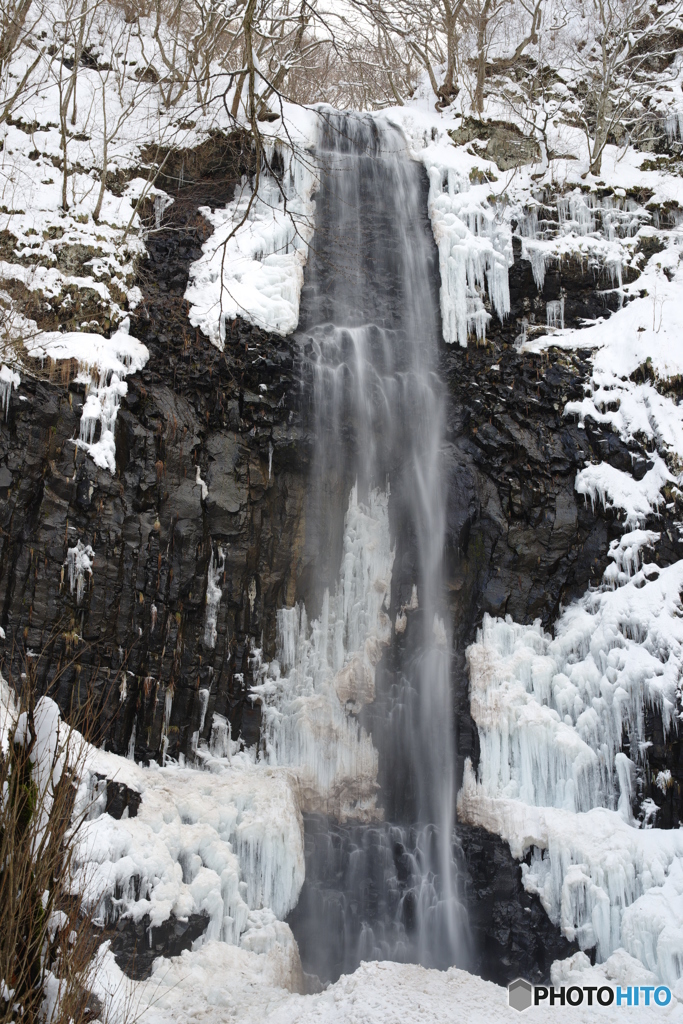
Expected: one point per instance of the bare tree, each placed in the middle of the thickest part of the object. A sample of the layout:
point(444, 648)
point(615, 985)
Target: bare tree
point(618, 65)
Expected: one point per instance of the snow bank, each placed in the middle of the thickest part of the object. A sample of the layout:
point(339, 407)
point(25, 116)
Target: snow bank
point(252, 265)
point(326, 673)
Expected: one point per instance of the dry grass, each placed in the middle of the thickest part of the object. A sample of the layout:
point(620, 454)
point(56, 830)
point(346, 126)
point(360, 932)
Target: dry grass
point(47, 939)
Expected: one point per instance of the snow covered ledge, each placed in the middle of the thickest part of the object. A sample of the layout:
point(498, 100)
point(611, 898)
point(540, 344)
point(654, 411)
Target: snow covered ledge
point(252, 266)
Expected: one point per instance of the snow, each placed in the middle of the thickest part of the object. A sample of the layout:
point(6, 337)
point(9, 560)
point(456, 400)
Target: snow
point(614, 488)
point(252, 265)
point(219, 983)
point(325, 673)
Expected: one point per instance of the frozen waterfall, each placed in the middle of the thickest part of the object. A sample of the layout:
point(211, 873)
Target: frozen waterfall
point(358, 707)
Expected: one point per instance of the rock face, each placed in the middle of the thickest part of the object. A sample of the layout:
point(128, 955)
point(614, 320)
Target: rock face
point(137, 643)
point(505, 144)
point(209, 497)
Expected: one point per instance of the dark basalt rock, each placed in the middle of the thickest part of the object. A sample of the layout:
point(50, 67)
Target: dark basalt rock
point(511, 933)
point(137, 635)
point(136, 945)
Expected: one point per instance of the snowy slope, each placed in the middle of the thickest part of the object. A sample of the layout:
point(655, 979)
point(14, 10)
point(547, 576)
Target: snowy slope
point(220, 983)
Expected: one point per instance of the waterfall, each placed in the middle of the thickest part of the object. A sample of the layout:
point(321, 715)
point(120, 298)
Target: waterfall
point(381, 874)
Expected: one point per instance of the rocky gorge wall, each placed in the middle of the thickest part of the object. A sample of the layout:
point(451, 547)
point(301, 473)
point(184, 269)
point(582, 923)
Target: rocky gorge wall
point(212, 456)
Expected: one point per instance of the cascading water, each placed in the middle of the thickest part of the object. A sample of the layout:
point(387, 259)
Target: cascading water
point(369, 341)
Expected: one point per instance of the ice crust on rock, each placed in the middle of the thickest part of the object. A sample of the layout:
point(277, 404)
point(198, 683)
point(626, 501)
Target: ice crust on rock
point(325, 673)
point(213, 595)
point(224, 842)
point(257, 273)
point(79, 561)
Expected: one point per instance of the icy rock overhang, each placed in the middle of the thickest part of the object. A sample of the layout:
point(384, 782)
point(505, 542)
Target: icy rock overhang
point(252, 266)
point(552, 714)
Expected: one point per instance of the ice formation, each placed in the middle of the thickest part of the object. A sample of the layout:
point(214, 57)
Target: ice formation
point(8, 380)
point(325, 673)
point(213, 595)
point(554, 312)
point(475, 252)
point(79, 560)
point(224, 842)
point(252, 265)
point(585, 226)
point(552, 715)
point(103, 364)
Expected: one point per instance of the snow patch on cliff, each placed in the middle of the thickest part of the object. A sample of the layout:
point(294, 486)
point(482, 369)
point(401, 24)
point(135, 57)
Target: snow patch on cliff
point(252, 265)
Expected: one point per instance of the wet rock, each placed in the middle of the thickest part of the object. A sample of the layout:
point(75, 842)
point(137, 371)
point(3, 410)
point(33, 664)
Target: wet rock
point(136, 945)
point(510, 932)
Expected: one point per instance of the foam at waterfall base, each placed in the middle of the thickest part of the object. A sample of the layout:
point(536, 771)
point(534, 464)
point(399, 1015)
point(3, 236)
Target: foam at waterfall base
point(220, 983)
point(326, 673)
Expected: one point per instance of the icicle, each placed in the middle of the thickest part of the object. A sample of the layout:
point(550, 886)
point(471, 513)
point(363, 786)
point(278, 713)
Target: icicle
point(8, 380)
point(79, 560)
point(131, 745)
point(213, 597)
point(554, 311)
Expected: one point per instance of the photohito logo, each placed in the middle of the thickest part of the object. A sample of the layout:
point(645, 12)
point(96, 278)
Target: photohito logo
point(522, 994)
